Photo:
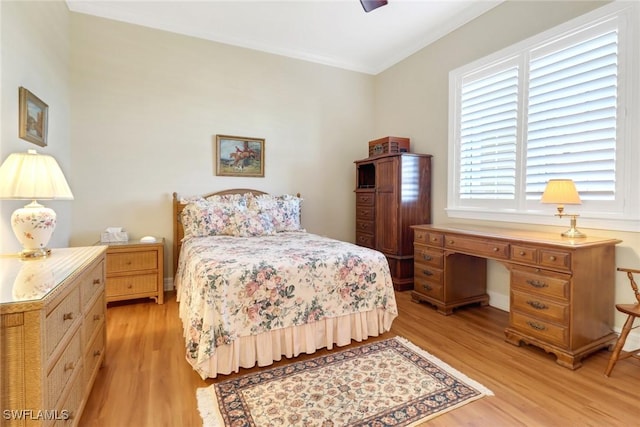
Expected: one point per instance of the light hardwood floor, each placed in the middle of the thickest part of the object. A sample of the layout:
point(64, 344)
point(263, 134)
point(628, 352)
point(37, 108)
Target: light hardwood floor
point(147, 382)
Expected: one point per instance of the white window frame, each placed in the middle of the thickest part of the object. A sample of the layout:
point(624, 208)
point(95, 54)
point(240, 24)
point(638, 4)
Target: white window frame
point(624, 213)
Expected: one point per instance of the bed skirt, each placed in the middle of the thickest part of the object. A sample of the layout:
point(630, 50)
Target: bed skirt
point(269, 347)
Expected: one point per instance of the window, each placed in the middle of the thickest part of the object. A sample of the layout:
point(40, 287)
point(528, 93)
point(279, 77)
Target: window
point(554, 106)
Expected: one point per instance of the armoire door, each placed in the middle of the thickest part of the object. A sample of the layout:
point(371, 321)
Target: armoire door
point(387, 193)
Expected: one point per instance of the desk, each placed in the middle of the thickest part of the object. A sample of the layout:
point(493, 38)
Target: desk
point(561, 289)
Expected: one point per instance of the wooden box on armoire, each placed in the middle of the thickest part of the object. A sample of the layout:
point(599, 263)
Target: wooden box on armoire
point(393, 192)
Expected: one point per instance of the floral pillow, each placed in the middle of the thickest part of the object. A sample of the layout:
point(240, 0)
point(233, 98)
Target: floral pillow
point(201, 218)
point(239, 200)
point(284, 210)
point(250, 224)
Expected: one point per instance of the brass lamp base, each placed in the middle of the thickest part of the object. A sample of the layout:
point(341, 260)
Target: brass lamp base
point(572, 232)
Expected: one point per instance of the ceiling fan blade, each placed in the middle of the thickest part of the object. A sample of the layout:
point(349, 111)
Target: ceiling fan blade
point(369, 5)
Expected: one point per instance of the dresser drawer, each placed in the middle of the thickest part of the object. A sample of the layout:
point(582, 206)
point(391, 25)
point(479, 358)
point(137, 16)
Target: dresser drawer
point(62, 318)
point(67, 412)
point(131, 261)
point(365, 199)
point(130, 285)
point(540, 307)
point(64, 368)
point(481, 247)
point(428, 238)
point(91, 284)
point(363, 226)
point(541, 282)
point(541, 329)
point(365, 239)
point(425, 255)
point(365, 213)
point(93, 319)
point(428, 288)
point(557, 259)
point(94, 355)
point(423, 271)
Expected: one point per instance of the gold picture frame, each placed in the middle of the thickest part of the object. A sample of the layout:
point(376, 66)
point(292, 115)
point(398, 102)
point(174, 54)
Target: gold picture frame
point(33, 118)
point(239, 156)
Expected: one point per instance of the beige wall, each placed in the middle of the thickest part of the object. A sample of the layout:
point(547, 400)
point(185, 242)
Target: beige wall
point(147, 105)
point(35, 54)
point(412, 100)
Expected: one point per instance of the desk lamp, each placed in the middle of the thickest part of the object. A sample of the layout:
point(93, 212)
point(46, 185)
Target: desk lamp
point(563, 192)
point(32, 176)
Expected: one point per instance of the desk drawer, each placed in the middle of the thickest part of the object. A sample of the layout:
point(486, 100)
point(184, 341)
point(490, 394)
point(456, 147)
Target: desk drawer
point(480, 247)
point(541, 282)
point(543, 330)
point(61, 319)
point(428, 238)
point(557, 259)
point(540, 307)
point(365, 239)
point(132, 261)
point(524, 254)
point(423, 271)
point(424, 255)
point(428, 288)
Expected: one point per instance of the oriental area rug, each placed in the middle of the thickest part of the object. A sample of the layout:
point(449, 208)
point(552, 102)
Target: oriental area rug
point(383, 383)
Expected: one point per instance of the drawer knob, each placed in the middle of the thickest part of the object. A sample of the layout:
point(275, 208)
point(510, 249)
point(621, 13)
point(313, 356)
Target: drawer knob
point(68, 366)
point(522, 253)
point(97, 353)
point(536, 326)
point(496, 249)
point(427, 273)
point(537, 284)
point(552, 258)
point(451, 242)
point(538, 305)
point(128, 263)
point(427, 257)
point(129, 286)
point(96, 317)
point(67, 316)
point(96, 281)
point(427, 287)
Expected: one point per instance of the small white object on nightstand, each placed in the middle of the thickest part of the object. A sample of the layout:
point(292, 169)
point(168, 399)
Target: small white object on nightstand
point(148, 239)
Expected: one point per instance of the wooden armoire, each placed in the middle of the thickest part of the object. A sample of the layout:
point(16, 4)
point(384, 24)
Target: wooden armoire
point(393, 192)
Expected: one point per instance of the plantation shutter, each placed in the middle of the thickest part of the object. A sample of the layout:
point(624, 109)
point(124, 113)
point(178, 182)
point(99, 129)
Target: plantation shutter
point(571, 130)
point(488, 130)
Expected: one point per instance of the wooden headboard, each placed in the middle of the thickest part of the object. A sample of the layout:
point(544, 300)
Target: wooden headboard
point(178, 231)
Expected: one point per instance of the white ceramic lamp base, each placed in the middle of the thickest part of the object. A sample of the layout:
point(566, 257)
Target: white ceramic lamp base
point(33, 226)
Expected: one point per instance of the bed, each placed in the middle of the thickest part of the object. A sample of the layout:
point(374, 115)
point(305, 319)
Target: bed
point(253, 286)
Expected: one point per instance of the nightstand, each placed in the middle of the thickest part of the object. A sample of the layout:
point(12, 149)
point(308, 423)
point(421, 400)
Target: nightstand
point(135, 270)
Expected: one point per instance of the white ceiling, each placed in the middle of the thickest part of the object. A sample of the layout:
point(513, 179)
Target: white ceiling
point(331, 32)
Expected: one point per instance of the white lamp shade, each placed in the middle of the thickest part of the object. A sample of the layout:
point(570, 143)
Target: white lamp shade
point(32, 176)
point(561, 191)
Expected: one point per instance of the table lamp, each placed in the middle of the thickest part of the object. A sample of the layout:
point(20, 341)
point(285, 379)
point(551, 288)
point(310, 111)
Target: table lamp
point(563, 192)
point(32, 176)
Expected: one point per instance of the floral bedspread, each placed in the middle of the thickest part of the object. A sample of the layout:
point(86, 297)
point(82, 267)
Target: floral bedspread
point(229, 287)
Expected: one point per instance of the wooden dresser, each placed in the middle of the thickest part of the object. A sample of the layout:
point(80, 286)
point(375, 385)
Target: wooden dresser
point(52, 335)
point(561, 289)
point(393, 192)
point(135, 270)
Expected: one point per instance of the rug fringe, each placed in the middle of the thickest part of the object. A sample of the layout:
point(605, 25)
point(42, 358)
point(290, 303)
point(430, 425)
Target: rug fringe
point(208, 407)
point(445, 366)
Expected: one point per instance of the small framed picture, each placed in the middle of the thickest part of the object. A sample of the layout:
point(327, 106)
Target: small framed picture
point(33, 118)
point(239, 156)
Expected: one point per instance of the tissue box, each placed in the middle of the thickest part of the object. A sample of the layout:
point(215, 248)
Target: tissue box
point(110, 236)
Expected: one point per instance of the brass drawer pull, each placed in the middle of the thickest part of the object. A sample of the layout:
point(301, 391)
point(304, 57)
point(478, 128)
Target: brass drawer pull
point(426, 257)
point(536, 326)
point(96, 281)
point(538, 305)
point(427, 287)
point(427, 273)
point(96, 317)
point(67, 316)
point(451, 242)
point(68, 366)
point(537, 284)
point(552, 258)
point(496, 249)
point(97, 353)
point(522, 253)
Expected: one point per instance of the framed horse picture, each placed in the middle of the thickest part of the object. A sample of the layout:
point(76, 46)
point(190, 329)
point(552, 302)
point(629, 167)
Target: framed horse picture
point(239, 156)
